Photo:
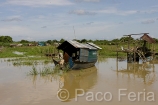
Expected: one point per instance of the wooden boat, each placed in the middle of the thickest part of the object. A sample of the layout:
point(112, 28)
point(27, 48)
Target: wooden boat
point(78, 55)
point(55, 62)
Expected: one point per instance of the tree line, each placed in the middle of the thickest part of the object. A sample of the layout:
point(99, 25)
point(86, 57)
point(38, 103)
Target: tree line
point(8, 39)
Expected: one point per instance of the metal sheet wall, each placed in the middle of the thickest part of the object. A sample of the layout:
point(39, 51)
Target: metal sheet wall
point(84, 53)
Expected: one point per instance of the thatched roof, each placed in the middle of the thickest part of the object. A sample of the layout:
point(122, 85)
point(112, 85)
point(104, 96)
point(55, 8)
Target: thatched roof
point(148, 38)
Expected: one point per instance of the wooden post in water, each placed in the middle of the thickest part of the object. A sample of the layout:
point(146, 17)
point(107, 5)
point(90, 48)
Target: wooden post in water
point(153, 67)
point(117, 58)
point(134, 50)
point(128, 54)
point(153, 51)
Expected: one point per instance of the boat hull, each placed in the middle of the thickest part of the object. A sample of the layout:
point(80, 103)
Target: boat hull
point(77, 65)
point(82, 65)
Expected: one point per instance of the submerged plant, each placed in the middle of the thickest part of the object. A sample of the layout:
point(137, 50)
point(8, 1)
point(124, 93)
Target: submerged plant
point(49, 70)
point(46, 61)
point(16, 63)
point(46, 70)
point(33, 71)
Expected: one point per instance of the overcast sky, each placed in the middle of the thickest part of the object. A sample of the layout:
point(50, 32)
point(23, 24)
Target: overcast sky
point(42, 20)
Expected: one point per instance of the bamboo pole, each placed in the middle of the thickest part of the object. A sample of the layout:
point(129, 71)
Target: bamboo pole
point(117, 57)
point(153, 45)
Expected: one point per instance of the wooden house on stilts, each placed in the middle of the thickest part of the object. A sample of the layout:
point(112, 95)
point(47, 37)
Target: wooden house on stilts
point(78, 55)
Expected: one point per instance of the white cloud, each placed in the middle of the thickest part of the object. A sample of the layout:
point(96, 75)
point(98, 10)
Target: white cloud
point(44, 27)
point(38, 3)
point(149, 21)
point(82, 12)
point(149, 11)
point(96, 30)
point(113, 10)
point(87, 0)
point(155, 6)
point(13, 30)
point(12, 19)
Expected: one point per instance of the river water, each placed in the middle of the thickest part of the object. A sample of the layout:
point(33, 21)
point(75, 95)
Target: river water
point(109, 82)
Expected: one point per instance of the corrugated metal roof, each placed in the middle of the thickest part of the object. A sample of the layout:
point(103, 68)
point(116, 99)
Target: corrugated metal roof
point(90, 47)
point(77, 44)
point(94, 45)
point(148, 38)
point(81, 45)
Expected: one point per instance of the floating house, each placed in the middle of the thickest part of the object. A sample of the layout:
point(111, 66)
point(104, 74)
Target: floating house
point(41, 44)
point(78, 55)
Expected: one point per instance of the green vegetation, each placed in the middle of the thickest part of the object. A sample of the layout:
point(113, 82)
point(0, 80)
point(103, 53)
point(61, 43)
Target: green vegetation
point(6, 39)
point(33, 71)
point(28, 58)
point(47, 71)
point(22, 63)
point(109, 47)
point(29, 51)
point(29, 61)
point(107, 51)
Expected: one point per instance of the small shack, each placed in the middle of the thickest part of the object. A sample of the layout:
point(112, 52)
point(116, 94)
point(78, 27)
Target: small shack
point(79, 53)
point(142, 49)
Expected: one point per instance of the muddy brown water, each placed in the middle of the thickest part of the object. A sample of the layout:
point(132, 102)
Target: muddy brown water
point(108, 82)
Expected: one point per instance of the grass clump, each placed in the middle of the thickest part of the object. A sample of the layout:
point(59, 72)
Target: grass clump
point(48, 71)
point(28, 63)
point(33, 71)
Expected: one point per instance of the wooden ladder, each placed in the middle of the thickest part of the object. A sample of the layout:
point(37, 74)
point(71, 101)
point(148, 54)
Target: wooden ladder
point(142, 56)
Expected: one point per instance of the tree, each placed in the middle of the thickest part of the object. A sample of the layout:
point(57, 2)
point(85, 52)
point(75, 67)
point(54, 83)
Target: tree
point(24, 41)
point(54, 41)
point(125, 39)
point(114, 41)
point(6, 39)
point(61, 40)
point(83, 41)
point(49, 41)
point(77, 40)
point(156, 40)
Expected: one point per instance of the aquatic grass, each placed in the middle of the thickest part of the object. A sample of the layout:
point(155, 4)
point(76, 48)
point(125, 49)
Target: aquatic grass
point(16, 63)
point(47, 61)
point(29, 58)
point(34, 71)
point(28, 63)
point(66, 69)
point(46, 71)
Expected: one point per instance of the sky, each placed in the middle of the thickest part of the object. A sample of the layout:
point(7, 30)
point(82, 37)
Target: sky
point(42, 20)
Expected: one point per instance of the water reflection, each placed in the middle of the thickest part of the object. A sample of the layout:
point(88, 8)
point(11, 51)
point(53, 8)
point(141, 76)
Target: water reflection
point(102, 59)
point(18, 88)
point(76, 79)
point(46, 78)
point(80, 79)
point(144, 71)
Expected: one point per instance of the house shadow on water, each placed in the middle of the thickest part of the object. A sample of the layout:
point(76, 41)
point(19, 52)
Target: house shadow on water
point(145, 72)
point(78, 79)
